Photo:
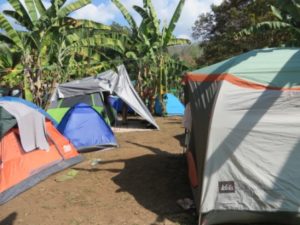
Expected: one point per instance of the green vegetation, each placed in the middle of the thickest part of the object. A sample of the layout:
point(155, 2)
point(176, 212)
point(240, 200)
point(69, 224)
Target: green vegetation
point(218, 29)
point(146, 50)
point(51, 47)
point(287, 18)
point(188, 53)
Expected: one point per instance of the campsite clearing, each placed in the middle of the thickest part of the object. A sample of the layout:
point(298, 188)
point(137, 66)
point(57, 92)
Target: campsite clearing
point(136, 184)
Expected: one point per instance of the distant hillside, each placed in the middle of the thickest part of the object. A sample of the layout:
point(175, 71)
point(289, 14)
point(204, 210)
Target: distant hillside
point(187, 53)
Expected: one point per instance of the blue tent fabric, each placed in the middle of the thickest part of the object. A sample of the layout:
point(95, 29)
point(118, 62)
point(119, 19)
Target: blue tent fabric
point(29, 104)
point(117, 104)
point(86, 128)
point(173, 105)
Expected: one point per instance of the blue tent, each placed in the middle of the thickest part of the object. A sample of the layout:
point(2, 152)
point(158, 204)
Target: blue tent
point(117, 104)
point(173, 106)
point(86, 129)
point(30, 104)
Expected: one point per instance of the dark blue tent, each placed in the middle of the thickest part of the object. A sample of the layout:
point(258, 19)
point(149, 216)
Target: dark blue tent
point(173, 106)
point(86, 129)
point(117, 104)
point(30, 104)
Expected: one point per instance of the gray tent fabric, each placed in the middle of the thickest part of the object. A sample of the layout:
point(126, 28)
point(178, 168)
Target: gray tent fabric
point(31, 125)
point(252, 156)
point(254, 143)
point(245, 138)
point(112, 81)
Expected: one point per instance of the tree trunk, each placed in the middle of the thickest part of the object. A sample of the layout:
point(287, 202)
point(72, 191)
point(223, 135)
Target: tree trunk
point(26, 87)
point(160, 94)
point(33, 79)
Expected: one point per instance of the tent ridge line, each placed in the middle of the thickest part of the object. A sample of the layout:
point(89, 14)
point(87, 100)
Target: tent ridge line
point(234, 80)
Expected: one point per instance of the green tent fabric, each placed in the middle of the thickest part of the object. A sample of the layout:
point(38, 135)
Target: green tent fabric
point(7, 121)
point(57, 113)
point(4, 91)
point(280, 70)
point(94, 100)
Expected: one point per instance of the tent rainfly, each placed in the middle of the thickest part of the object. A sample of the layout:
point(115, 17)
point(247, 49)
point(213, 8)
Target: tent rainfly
point(31, 148)
point(173, 106)
point(86, 129)
point(29, 104)
point(244, 151)
point(114, 82)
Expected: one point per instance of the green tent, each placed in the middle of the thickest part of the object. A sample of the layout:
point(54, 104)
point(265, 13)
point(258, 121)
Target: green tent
point(7, 121)
point(95, 100)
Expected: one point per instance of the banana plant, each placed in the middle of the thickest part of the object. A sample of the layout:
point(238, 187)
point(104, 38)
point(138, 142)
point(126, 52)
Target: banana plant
point(10, 70)
point(287, 15)
point(45, 44)
point(147, 48)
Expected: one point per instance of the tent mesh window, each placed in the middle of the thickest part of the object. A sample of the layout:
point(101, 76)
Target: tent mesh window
point(92, 100)
point(97, 99)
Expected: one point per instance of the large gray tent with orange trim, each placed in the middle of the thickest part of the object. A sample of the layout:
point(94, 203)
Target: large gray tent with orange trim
point(244, 151)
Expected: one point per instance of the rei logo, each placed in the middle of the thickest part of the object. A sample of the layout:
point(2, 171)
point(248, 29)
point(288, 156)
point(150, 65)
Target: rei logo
point(226, 187)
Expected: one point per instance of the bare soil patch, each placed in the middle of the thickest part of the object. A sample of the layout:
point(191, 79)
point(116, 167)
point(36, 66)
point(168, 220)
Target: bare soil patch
point(135, 184)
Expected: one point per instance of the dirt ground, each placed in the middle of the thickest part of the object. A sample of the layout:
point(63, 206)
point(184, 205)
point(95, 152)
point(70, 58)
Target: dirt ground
point(135, 184)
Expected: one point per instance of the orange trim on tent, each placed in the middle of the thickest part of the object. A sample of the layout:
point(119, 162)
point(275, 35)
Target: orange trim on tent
point(192, 169)
point(234, 80)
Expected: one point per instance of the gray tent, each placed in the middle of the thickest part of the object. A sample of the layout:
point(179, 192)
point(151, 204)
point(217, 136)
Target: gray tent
point(244, 152)
point(115, 82)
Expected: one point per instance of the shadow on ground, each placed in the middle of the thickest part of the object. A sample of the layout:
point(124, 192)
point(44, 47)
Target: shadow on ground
point(180, 138)
point(133, 123)
point(9, 220)
point(157, 181)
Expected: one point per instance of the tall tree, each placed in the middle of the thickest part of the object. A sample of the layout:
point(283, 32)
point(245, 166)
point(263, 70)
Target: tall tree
point(217, 30)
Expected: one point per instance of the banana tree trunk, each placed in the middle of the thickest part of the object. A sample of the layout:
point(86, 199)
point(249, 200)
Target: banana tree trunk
point(26, 87)
point(33, 80)
point(139, 82)
point(50, 90)
point(160, 81)
point(166, 80)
